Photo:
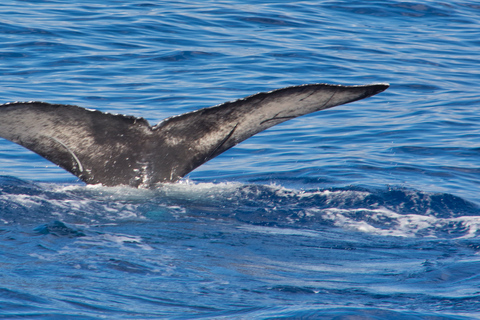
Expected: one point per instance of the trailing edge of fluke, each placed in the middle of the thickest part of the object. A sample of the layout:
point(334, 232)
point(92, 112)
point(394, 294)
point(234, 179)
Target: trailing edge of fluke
point(112, 149)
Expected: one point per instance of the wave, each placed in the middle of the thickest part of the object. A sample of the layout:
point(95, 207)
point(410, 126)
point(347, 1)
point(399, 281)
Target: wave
point(390, 211)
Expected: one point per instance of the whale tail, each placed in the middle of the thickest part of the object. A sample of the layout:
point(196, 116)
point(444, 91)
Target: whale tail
point(114, 150)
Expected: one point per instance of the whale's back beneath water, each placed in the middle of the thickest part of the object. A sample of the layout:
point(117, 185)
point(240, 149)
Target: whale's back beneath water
point(114, 150)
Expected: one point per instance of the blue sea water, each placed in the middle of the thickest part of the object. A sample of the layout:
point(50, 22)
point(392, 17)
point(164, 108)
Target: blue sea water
point(365, 211)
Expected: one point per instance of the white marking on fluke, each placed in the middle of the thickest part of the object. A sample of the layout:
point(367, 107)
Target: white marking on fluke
point(80, 167)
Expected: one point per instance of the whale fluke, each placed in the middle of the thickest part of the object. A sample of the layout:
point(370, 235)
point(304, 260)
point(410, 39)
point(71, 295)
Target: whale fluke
point(115, 149)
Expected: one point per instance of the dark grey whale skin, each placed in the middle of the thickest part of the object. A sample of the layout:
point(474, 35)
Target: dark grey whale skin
point(109, 149)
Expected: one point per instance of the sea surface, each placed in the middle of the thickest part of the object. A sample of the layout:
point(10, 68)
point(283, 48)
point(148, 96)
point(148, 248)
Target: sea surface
point(369, 210)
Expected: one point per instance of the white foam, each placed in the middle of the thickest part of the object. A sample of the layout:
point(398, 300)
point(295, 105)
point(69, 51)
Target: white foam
point(280, 231)
point(402, 225)
point(116, 240)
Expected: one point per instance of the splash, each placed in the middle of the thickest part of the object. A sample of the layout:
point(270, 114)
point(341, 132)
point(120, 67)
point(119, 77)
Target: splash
point(387, 212)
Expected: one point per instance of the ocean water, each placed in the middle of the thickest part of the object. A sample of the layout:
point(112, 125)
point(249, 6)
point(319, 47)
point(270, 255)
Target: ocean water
point(365, 211)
